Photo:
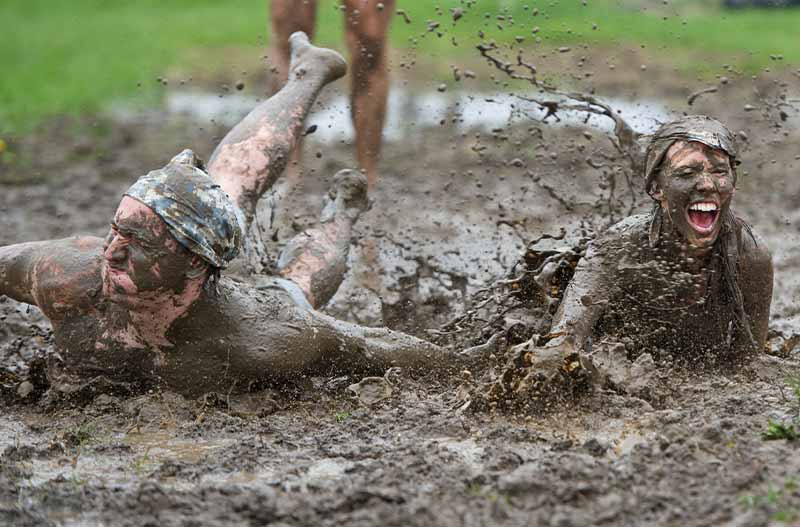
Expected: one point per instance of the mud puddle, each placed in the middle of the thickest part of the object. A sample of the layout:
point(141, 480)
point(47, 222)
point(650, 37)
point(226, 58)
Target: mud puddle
point(408, 110)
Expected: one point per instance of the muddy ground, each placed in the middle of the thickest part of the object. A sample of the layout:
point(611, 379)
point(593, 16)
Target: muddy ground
point(676, 448)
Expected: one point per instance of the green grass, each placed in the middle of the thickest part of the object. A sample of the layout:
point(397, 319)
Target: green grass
point(790, 429)
point(74, 57)
point(780, 501)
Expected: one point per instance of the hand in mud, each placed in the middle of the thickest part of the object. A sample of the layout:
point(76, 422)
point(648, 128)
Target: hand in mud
point(555, 366)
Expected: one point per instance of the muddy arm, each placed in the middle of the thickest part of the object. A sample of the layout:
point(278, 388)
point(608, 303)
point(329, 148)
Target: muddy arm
point(359, 348)
point(756, 285)
point(52, 275)
point(587, 295)
point(17, 263)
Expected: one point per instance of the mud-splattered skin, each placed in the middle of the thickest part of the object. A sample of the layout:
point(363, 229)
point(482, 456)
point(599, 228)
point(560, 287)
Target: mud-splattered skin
point(252, 156)
point(140, 308)
point(138, 313)
point(662, 286)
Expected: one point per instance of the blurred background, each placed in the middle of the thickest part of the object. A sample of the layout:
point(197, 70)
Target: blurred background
point(82, 56)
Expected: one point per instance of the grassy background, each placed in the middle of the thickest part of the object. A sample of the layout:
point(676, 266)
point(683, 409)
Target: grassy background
point(73, 57)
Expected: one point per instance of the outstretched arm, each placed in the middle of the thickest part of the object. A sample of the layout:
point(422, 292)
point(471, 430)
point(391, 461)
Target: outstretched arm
point(252, 156)
point(586, 296)
point(357, 348)
point(17, 263)
point(53, 275)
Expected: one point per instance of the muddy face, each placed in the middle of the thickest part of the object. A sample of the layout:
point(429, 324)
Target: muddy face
point(696, 187)
point(141, 256)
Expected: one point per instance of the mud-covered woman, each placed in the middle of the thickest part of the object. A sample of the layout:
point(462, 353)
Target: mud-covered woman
point(689, 280)
point(147, 306)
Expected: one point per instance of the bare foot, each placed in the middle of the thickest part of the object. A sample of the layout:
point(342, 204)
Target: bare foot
point(311, 60)
point(347, 196)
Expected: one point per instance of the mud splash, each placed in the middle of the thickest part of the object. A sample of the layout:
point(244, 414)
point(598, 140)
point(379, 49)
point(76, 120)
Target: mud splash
point(409, 110)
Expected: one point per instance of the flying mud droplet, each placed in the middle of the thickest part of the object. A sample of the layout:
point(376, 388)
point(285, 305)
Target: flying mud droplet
point(442, 88)
point(564, 49)
point(380, 6)
point(402, 13)
point(457, 13)
point(749, 107)
point(239, 85)
point(698, 93)
point(310, 130)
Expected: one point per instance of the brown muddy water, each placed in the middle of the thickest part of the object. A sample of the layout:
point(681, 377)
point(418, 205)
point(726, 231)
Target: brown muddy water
point(678, 447)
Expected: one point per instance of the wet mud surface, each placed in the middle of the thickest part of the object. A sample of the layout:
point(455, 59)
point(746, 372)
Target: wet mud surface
point(672, 447)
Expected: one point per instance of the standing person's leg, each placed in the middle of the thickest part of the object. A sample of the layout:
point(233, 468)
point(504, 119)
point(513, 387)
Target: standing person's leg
point(287, 17)
point(366, 26)
point(252, 156)
point(316, 260)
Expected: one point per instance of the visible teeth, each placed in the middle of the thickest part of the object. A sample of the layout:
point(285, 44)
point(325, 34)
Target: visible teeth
point(704, 207)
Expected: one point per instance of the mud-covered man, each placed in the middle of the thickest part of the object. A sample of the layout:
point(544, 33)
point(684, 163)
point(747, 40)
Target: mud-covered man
point(147, 306)
point(689, 280)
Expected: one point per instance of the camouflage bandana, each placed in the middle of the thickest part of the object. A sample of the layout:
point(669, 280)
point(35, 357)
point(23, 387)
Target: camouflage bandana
point(198, 213)
point(698, 128)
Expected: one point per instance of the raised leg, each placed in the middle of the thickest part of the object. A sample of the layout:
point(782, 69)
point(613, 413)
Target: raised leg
point(316, 260)
point(286, 17)
point(366, 25)
point(252, 156)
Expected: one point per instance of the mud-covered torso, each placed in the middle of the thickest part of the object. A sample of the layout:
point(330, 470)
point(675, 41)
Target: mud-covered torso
point(657, 304)
point(238, 335)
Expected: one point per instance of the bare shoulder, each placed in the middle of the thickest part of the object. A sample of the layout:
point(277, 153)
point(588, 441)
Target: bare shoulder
point(66, 274)
point(755, 255)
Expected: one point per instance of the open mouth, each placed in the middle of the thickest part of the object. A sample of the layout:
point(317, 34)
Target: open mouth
point(703, 216)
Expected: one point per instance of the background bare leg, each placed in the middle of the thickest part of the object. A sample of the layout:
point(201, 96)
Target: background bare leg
point(366, 25)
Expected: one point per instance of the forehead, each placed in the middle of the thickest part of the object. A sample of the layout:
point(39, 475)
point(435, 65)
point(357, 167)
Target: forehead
point(134, 214)
point(692, 152)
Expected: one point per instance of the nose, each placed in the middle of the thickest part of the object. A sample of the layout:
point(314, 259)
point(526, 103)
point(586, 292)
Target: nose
point(704, 182)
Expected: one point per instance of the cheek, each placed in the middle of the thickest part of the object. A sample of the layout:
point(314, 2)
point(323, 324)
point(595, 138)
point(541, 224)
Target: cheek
point(677, 194)
point(726, 186)
point(142, 265)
